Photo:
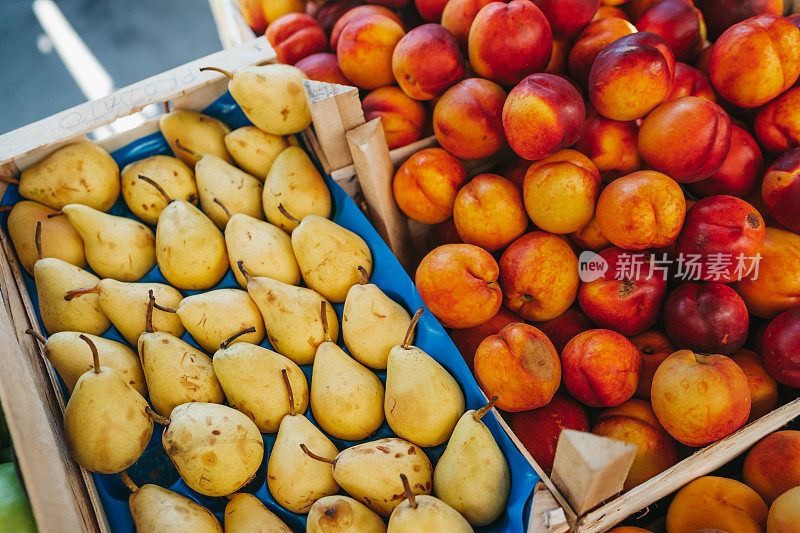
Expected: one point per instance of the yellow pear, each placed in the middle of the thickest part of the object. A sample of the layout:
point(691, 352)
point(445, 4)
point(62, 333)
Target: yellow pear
point(370, 472)
point(246, 514)
point(295, 187)
point(254, 380)
point(331, 258)
point(225, 190)
point(215, 448)
point(190, 249)
point(164, 179)
point(79, 173)
point(72, 357)
point(191, 134)
point(116, 247)
point(211, 317)
point(346, 397)
point(254, 150)
point(292, 317)
point(159, 510)
point(472, 475)
point(54, 279)
point(342, 514)
point(423, 401)
point(368, 310)
point(426, 513)
point(57, 236)
point(265, 250)
point(106, 422)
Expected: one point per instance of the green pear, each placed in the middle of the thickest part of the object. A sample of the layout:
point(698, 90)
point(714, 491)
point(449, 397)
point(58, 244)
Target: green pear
point(254, 381)
point(369, 472)
point(246, 514)
point(164, 179)
point(190, 249)
point(159, 510)
point(331, 258)
point(225, 190)
point(72, 357)
point(116, 247)
point(211, 317)
point(191, 134)
point(346, 397)
point(426, 513)
point(254, 150)
point(342, 514)
point(472, 475)
point(295, 327)
point(426, 419)
point(215, 448)
point(106, 422)
point(79, 173)
point(368, 310)
point(54, 280)
point(264, 249)
point(57, 236)
point(15, 510)
point(294, 187)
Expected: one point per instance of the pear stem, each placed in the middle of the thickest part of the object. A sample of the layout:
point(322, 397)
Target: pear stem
point(285, 375)
point(126, 479)
point(163, 420)
point(56, 214)
point(36, 335)
point(80, 292)
point(411, 327)
point(167, 106)
point(224, 344)
point(477, 415)
point(217, 69)
point(245, 273)
point(37, 239)
point(13, 181)
point(219, 203)
point(323, 313)
point(157, 187)
point(409, 493)
point(95, 354)
point(165, 309)
point(315, 456)
point(192, 153)
point(364, 275)
point(287, 214)
point(148, 317)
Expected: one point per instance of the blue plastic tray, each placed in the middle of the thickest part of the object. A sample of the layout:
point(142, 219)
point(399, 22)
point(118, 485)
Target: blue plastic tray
point(155, 467)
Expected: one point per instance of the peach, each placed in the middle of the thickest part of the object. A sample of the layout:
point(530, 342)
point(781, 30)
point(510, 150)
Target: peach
point(772, 466)
point(274, 9)
point(654, 346)
point(562, 328)
point(430, 10)
point(689, 81)
point(739, 171)
point(542, 115)
point(458, 283)
point(365, 49)
point(686, 138)
point(323, 67)
point(358, 12)
point(780, 190)
point(722, 14)
point(778, 123)
point(425, 186)
point(700, 398)
point(782, 347)
point(458, 15)
point(488, 212)
point(716, 503)
point(601, 368)
point(520, 366)
point(403, 118)
point(610, 144)
point(426, 62)
point(607, 10)
point(568, 17)
point(590, 237)
point(560, 191)
point(720, 237)
point(508, 42)
point(539, 276)
point(763, 389)
point(467, 119)
point(538, 430)
point(295, 36)
point(468, 339)
point(628, 296)
point(755, 60)
point(634, 422)
point(777, 286)
point(591, 41)
point(635, 8)
point(558, 57)
point(784, 515)
point(391, 4)
point(253, 14)
point(631, 76)
point(679, 23)
point(327, 13)
point(632, 529)
point(644, 209)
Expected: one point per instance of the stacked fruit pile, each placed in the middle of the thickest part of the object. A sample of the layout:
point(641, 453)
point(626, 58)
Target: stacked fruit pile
point(263, 226)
